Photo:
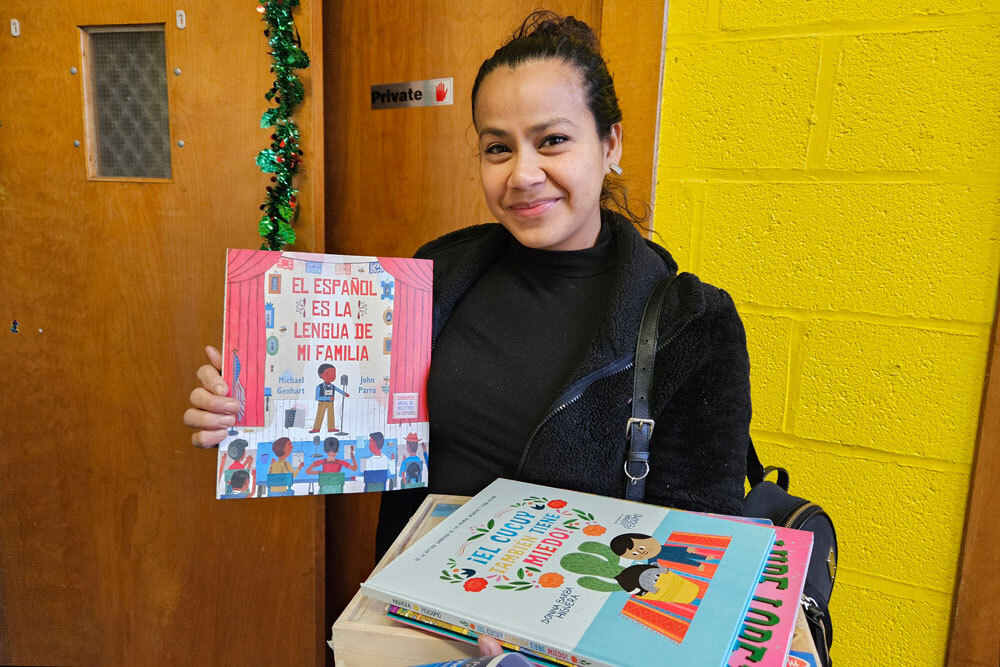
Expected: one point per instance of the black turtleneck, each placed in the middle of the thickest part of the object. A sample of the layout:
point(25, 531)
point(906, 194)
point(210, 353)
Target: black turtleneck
point(505, 354)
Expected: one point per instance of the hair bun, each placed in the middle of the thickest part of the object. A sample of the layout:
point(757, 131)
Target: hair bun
point(544, 22)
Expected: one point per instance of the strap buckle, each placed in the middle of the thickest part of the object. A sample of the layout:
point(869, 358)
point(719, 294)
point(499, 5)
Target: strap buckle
point(642, 423)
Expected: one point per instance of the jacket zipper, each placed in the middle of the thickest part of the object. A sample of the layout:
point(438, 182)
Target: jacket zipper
point(580, 386)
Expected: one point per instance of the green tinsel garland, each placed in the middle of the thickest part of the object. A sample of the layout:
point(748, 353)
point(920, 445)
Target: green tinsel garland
point(284, 156)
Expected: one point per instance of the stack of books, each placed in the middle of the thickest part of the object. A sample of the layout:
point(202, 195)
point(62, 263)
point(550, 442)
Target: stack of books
point(568, 578)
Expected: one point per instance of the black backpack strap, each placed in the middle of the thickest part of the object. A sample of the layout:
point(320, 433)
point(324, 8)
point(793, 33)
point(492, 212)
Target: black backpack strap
point(639, 428)
point(756, 472)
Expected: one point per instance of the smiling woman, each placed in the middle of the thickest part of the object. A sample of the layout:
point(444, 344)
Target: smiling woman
point(542, 161)
point(536, 318)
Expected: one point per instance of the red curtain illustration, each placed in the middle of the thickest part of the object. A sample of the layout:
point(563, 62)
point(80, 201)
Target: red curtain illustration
point(244, 337)
point(411, 331)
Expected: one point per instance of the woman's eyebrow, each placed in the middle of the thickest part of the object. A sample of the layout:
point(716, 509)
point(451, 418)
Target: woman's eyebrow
point(534, 129)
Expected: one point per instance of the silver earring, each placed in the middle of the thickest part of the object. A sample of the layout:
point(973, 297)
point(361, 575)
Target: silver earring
point(615, 168)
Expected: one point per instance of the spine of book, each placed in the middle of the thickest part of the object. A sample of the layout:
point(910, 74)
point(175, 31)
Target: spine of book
point(508, 660)
point(770, 622)
point(479, 628)
point(450, 630)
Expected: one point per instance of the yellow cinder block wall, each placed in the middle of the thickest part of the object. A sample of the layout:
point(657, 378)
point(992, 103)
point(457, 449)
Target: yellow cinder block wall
point(835, 165)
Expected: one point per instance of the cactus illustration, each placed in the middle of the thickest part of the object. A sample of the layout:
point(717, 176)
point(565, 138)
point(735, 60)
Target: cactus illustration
point(598, 565)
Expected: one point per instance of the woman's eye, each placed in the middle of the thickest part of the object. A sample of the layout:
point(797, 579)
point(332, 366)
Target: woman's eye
point(495, 149)
point(554, 140)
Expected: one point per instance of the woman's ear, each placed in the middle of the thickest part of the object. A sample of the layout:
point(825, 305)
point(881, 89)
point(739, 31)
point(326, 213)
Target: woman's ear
point(613, 146)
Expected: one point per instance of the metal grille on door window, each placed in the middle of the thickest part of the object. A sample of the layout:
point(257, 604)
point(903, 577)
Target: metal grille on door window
point(129, 122)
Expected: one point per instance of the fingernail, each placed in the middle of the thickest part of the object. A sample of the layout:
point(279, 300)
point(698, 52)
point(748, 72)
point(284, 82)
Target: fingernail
point(232, 406)
point(229, 420)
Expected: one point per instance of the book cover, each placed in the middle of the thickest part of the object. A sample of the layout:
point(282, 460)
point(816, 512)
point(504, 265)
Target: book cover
point(583, 578)
point(770, 621)
point(328, 357)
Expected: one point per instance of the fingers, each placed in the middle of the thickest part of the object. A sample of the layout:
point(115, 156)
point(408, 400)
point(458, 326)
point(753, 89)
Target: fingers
point(207, 420)
point(202, 399)
point(212, 412)
point(212, 381)
point(206, 439)
point(214, 356)
point(489, 646)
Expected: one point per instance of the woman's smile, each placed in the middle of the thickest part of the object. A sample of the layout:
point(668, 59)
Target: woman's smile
point(535, 208)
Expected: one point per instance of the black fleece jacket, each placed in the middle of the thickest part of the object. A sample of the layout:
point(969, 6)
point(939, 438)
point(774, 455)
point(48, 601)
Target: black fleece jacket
point(701, 387)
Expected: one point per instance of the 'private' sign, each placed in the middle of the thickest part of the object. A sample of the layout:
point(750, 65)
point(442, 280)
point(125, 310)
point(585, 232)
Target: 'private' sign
point(428, 93)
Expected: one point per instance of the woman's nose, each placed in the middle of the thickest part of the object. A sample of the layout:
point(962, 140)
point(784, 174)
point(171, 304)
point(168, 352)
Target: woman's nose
point(526, 171)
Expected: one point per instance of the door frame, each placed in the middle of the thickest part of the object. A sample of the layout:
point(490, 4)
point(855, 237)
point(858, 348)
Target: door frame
point(633, 39)
point(976, 603)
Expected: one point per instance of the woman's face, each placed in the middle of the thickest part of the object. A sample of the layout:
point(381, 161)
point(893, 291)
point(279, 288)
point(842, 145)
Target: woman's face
point(542, 163)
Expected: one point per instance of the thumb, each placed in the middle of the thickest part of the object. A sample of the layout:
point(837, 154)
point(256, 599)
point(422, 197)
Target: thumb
point(489, 646)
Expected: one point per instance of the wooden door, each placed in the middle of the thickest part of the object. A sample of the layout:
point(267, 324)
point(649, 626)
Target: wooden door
point(399, 178)
point(113, 549)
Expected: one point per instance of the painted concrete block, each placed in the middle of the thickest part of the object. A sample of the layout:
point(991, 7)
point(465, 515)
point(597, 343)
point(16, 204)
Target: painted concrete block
point(894, 521)
point(917, 101)
point(687, 16)
point(675, 216)
point(908, 391)
point(747, 14)
point(738, 104)
point(876, 628)
point(899, 249)
point(767, 341)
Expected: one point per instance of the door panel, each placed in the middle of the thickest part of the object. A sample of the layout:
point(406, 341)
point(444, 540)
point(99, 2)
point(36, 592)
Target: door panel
point(113, 549)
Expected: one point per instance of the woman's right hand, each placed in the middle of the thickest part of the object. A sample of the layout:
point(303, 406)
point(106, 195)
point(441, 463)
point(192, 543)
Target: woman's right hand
point(212, 412)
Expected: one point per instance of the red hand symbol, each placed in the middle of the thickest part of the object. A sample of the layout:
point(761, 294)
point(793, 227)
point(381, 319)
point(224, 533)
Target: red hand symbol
point(440, 92)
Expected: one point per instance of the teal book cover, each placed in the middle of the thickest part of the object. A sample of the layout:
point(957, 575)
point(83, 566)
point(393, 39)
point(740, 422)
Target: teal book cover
point(583, 579)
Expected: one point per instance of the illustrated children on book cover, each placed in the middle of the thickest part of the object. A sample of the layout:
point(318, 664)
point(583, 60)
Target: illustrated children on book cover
point(328, 357)
point(578, 577)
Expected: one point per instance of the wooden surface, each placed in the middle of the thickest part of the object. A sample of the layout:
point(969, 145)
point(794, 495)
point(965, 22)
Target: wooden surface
point(398, 178)
point(974, 641)
point(364, 636)
point(113, 549)
point(632, 36)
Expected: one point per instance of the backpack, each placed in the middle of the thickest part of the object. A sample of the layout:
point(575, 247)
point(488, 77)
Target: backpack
point(770, 500)
point(766, 500)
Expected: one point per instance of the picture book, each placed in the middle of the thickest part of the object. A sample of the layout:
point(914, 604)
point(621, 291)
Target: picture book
point(418, 620)
point(770, 621)
point(583, 579)
point(328, 357)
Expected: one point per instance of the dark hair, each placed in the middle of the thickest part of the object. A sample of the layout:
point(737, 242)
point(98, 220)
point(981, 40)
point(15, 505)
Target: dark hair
point(378, 438)
point(278, 446)
point(323, 368)
point(237, 448)
point(331, 445)
point(239, 479)
point(545, 34)
point(626, 541)
point(628, 578)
